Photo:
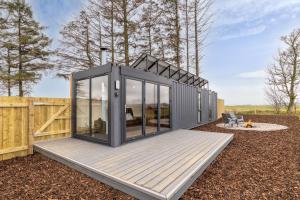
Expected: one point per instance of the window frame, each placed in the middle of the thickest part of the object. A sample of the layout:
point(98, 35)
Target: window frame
point(74, 118)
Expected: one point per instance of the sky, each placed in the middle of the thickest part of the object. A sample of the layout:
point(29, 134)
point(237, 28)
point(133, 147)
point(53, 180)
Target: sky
point(242, 43)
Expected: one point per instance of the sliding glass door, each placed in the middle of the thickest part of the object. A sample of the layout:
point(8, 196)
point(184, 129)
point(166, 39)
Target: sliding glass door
point(151, 108)
point(164, 108)
point(82, 107)
point(92, 108)
point(99, 108)
point(134, 108)
point(147, 108)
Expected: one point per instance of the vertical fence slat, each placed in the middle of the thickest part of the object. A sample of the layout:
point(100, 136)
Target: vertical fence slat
point(1, 131)
point(30, 126)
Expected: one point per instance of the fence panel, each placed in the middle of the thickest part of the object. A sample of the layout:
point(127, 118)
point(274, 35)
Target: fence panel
point(24, 120)
point(220, 107)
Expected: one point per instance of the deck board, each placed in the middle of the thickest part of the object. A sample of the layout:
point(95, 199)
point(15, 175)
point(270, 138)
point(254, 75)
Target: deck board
point(160, 167)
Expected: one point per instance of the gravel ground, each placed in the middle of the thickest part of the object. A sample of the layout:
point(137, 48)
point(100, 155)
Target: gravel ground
point(254, 166)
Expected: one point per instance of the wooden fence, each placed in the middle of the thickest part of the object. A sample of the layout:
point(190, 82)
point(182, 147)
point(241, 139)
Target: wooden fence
point(24, 120)
point(220, 107)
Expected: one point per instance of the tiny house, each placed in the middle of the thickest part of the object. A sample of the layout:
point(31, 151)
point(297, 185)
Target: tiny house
point(114, 104)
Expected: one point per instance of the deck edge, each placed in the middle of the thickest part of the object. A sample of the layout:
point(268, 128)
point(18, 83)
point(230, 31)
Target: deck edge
point(128, 189)
point(179, 191)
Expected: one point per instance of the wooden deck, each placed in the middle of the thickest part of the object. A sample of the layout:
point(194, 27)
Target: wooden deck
point(160, 167)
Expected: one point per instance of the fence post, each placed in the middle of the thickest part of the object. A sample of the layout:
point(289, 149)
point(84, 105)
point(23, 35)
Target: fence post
point(30, 126)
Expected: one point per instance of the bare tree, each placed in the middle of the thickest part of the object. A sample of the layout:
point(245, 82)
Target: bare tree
point(284, 74)
point(187, 9)
point(149, 34)
point(275, 98)
point(130, 27)
point(126, 17)
point(105, 11)
point(202, 19)
point(171, 26)
point(79, 46)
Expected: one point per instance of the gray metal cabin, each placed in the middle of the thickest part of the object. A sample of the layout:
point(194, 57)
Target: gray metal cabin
point(114, 104)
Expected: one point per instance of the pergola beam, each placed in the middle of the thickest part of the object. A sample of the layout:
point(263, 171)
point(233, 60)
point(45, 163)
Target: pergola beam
point(165, 69)
point(146, 60)
point(175, 73)
point(180, 77)
point(152, 65)
point(135, 65)
point(187, 81)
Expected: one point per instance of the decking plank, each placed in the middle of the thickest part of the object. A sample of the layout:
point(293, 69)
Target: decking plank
point(134, 149)
point(155, 169)
point(150, 156)
point(199, 167)
point(159, 167)
point(162, 181)
point(157, 175)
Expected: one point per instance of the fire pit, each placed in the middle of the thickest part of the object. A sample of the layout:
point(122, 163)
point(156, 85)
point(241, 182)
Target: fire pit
point(248, 124)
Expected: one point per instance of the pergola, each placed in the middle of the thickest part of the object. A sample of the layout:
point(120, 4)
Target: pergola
point(151, 64)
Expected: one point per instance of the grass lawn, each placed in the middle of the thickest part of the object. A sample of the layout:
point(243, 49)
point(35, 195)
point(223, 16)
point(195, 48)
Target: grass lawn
point(256, 165)
point(256, 109)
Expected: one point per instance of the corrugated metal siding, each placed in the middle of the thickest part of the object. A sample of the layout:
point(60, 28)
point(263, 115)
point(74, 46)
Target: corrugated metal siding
point(213, 105)
point(184, 108)
point(204, 105)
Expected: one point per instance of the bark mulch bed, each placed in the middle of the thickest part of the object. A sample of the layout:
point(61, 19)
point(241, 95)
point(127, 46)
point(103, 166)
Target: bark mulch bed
point(256, 165)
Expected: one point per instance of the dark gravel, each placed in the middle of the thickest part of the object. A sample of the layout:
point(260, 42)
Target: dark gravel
point(256, 165)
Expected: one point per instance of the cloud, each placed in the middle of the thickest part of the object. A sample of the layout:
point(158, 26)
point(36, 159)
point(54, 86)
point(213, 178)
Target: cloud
point(253, 74)
point(235, 19)
point(245, 32)
point(235, 12)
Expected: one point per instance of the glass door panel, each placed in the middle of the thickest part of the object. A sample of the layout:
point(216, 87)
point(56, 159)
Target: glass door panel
point(99, 107)
point(199, 108)
point(164, 108)
point(151, 107)
point(134, 108)
point(82, 107)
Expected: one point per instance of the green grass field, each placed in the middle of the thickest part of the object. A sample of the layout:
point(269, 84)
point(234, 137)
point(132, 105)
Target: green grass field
point(256, 109)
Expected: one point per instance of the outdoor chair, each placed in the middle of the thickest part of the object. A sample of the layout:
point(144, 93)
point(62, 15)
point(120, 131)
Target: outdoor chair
point(227, 119)
point(238, 119)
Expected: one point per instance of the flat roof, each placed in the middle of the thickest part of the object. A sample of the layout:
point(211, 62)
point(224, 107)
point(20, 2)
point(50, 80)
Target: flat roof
point(151, 64)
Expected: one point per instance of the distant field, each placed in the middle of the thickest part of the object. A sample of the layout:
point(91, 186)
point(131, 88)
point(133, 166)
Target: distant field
point(253, 109)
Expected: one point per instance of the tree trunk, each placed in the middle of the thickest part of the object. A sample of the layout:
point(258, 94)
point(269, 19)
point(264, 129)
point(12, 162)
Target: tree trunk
point(125, 33)
point(291, 105)
point(9, 73)
point(196, 39)
point(187, 35)
point(149, 29)
point(112, 33)
point(292, 95)
point(177, 48)
point(100, 42)
point(149, 40)
point(20, 82)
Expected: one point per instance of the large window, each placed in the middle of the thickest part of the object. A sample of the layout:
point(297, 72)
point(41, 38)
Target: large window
point(164, 108)
point(92, 108)
point(134, 108)
point(99, 107)
point(151, 108)
point(147, 108)
point(199, 112)
point(82, 106)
